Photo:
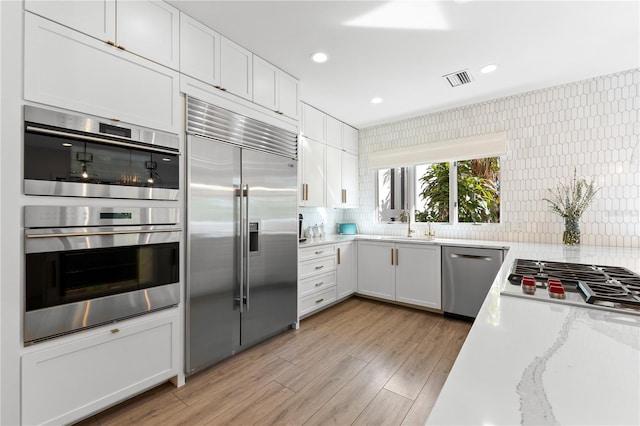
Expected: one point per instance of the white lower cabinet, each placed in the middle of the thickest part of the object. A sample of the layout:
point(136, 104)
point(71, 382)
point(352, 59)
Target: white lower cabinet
point(376, 269)
point(66, 382)
point(418, 271)
point(70, 70)
point(316, 278)
point(407, 273)
point(346, 269)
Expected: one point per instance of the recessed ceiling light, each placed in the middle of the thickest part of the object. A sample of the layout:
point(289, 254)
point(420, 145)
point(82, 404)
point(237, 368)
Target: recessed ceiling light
point(319, 57)
point(376, 100)
point(488, 68)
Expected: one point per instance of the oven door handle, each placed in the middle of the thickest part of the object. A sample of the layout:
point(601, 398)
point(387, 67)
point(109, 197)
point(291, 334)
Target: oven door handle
point(88, 234)
point(100, 140)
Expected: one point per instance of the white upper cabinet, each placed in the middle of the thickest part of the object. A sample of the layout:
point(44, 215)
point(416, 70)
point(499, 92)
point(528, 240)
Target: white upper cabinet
point(147, 28)
point(265, 84)
point(335, 191)
point(350, 197)
point(334, 132)
point(150, 29)
point(96, 18)
point(313, 123)
point(70, 70)
point(274, 89)
point(312, 171)
point(199, 51)
point(236, 69)
point(350, 139)
point(288, 96)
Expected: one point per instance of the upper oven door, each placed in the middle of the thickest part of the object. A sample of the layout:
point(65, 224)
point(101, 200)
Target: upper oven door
point(101, 160)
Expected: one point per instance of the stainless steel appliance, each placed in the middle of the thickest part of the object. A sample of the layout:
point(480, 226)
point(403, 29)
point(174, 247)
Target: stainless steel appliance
point(610, 288)
point(467, 275)
point(81, 156)
point(87, 266)
point(242, 233)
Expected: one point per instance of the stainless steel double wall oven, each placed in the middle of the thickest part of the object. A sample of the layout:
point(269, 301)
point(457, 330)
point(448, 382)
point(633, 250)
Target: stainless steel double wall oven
point(91, 265)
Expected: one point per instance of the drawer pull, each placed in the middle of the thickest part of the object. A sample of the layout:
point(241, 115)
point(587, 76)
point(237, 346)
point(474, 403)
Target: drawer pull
point(115, 330)
point(319, 284)
point(320, 252)
point(320, 300)
point(319, 267)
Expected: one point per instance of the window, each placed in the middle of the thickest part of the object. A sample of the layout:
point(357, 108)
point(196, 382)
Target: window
point(452, 192)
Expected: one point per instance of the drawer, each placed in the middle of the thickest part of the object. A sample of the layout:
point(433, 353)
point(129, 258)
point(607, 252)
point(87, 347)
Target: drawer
point(316, 283)
point(316, 266)
point(316, 301)
point(316, 252)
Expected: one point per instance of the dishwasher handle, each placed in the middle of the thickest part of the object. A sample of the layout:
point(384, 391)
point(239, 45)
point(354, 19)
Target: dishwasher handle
point(470, 256)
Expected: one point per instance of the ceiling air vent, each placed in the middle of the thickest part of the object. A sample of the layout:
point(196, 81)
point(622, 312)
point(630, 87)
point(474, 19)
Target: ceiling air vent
point(458, 78)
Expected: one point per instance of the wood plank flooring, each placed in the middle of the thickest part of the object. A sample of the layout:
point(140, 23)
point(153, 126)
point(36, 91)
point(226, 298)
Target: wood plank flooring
point(360, 362)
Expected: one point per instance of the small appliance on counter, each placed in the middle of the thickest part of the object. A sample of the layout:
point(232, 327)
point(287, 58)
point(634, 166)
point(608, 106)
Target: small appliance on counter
point(347, 229)
point(301, 237)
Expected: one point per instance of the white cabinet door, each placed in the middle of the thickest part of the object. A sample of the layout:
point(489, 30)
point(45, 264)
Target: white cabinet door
point(236, 69)
point(288, 96)
point(150, 29)
point(70, 70)
point(67, 382)
point(313, 123)
point(334, 132)
point(265, 83)
point(313, 177)
point(376, 270)
point(96, 18)
point(199, 51)
point(334, 177)
point(346, 272)
point(350, 180)
point(418, 275)
point(350, 139)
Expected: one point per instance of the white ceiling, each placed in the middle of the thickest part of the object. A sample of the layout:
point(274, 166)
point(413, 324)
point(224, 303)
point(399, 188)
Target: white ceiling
point(400, 50)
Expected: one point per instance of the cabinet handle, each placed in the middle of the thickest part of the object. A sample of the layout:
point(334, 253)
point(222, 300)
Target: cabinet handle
point(320, 300)
point(319, 267)
point(338, 255)
point(344, 196)
point(121, 47)
point(110, 43)
point(306, 192)
point(392, 256)
point(319, 284)
point(397, 257)
point(320, 252)
point(115, 330)
point(115, 119)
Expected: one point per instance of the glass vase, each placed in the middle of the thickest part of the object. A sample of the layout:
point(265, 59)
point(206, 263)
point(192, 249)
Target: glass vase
point(571, 234)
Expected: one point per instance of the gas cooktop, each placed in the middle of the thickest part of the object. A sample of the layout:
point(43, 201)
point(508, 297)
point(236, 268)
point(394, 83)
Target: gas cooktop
point(601, 287)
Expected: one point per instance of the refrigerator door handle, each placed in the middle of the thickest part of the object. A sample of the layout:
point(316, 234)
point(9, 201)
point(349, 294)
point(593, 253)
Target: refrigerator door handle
point(245, 243)
point(240, 195)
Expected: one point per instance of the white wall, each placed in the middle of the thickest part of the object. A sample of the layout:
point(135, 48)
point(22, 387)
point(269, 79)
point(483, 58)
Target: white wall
point(592, 126)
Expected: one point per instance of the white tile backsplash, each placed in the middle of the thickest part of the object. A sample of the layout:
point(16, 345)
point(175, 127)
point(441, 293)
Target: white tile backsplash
point(592, 126)
point(328, 216)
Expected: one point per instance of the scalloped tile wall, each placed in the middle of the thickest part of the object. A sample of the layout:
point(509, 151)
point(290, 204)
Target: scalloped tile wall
point(592, 126)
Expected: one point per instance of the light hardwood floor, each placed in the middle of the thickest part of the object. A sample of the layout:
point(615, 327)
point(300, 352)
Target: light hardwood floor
point(359, 362)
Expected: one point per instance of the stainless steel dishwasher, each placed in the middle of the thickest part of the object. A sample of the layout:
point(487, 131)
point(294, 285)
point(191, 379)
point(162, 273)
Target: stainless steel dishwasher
point(467, 274)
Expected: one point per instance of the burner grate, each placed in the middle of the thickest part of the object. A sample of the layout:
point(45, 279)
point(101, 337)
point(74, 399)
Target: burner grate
point(595, 293)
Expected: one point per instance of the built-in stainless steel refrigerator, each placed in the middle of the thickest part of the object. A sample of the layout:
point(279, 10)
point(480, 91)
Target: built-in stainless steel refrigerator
point(242, 236)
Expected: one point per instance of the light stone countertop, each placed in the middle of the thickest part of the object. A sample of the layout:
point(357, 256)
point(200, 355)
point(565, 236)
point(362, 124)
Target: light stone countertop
point(536, 363)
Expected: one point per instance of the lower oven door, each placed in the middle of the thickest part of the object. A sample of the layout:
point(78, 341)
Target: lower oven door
point(82, 278)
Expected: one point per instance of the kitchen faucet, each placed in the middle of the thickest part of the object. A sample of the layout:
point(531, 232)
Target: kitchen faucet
point(407, 215)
